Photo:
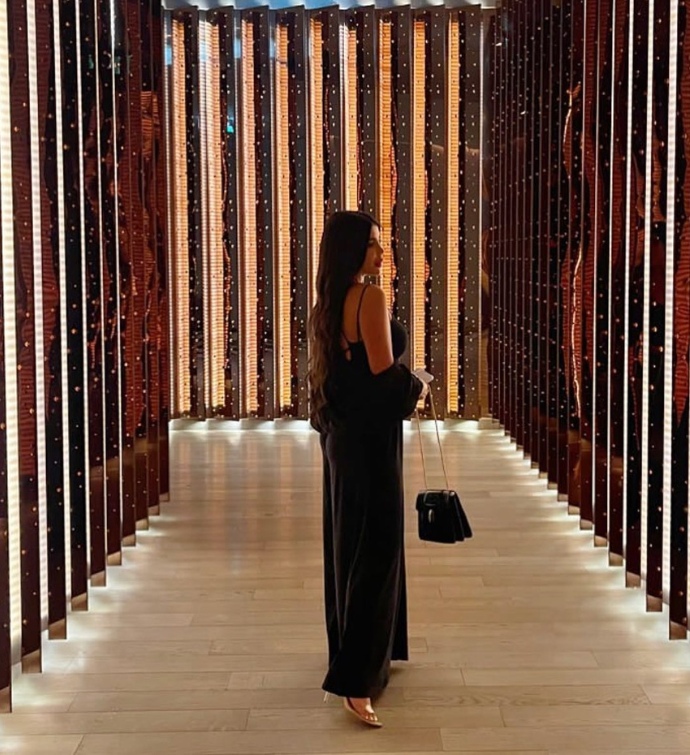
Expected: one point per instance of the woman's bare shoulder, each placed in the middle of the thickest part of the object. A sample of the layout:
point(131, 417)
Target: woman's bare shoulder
point(374, 300)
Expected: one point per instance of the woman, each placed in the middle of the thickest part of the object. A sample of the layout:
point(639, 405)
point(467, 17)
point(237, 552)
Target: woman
point(359, 396)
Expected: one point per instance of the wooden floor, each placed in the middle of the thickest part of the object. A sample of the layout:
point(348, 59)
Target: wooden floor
point(210, 639)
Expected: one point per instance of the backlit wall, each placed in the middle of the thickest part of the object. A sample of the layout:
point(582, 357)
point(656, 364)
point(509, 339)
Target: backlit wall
point(589, 258)
point(83, 343)
point(278, 118)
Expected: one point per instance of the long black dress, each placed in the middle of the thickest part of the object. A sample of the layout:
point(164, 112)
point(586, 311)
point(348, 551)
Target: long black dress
point(363, 519)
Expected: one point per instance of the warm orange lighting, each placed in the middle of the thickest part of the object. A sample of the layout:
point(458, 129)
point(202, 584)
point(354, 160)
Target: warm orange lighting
point(453, 217)
point(282, 287)
point(386, 157)
point(349, 39)
point(418, 261)
point(317, 157)
point(248, 226)
point(183, 392)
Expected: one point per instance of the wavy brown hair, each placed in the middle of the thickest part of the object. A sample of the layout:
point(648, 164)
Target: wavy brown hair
point(342, 253)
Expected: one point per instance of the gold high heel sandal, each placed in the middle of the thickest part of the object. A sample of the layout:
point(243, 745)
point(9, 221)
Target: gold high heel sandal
point(369, 717)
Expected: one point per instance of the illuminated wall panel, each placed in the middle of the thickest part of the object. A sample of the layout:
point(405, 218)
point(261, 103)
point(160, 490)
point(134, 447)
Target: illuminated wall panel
point(386, 188)
point(635, 291)
point(474, 113)
point(150, 349)
point(366, 22)
point(213, 217)
point(437, 199)
point(249, 229)
point(133, 261)
point(601, 249)
point(298, 40)
point(227, 28)
point(37, 285)
point(93, 288)
point(5, 592)
point(401, 233)
point(75, 279)
point(538, 237)
point(589, 271)
point(72, 266)
point(452, 273)
point(265, 200)
point(678, 213)
point(25, 338)
point(418, 264)
point(325, 109)
point(283, 185)
point(571, 277)
point(350, 87)
point(317, 178)
point(655, 286)
point(617, 366)
point(558, 403)
point(159, 330)
point(51, 414)
point(335, 117)
point(178, 94)
point(113, 412)
point(10, 567)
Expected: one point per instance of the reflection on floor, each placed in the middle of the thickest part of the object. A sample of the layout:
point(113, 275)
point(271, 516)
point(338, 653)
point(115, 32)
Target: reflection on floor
point(210, 638)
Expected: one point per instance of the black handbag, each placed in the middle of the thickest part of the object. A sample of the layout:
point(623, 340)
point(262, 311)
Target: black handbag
point(440, 515)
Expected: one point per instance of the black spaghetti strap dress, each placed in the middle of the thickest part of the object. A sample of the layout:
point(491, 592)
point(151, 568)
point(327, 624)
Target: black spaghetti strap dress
point(363, 518)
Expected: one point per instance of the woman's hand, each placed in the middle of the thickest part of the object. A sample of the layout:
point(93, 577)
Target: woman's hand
point(425, 389)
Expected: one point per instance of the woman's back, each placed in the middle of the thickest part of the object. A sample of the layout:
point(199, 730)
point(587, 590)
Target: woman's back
point(352, 344)
point(355, 391)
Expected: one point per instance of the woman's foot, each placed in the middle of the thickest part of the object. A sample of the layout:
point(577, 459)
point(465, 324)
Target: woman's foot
point(361, 708)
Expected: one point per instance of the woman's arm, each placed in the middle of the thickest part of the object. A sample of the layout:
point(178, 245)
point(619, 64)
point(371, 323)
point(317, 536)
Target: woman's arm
point(396, 390)
point(375, 327)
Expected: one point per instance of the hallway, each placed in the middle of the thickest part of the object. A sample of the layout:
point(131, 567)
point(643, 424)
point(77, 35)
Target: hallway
point(210, 640)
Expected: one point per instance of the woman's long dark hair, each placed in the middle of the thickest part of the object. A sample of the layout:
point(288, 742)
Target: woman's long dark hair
point(342, 253)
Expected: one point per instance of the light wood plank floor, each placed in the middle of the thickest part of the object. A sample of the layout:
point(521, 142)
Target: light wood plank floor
point(209, 639)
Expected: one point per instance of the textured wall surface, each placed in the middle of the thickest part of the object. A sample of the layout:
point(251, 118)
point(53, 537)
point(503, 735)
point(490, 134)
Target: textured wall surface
point(84, 347)
point(590, 260)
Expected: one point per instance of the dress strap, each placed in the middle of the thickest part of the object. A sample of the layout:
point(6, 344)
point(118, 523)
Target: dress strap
point(359, 309)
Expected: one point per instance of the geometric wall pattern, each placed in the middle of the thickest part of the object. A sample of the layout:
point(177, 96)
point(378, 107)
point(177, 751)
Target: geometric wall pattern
point(280, 117)
point(589, 268)
point(83, 344)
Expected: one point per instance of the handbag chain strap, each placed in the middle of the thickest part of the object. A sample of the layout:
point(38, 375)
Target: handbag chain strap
point(438, 440)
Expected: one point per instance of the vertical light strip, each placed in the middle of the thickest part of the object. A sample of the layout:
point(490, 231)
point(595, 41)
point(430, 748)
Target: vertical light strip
point(628, 252)
point(10, 335)
point(168, 62)
point(116, 195)
point(418, 251)
point(102, 308)
point(38, 309)
point(84, 289)
point(282, 153)
point(453, 212)
point(181, 220)
point(386, 188)
point(249, 242)
point(212, 213)
point(348, 53)
point(316, 148)
point(669, 300)
point(594, 249)
point(609, 315)
point(62, 281)
point(204, 171)
point(216, 294)
point(482, 363)
point(649, 161)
